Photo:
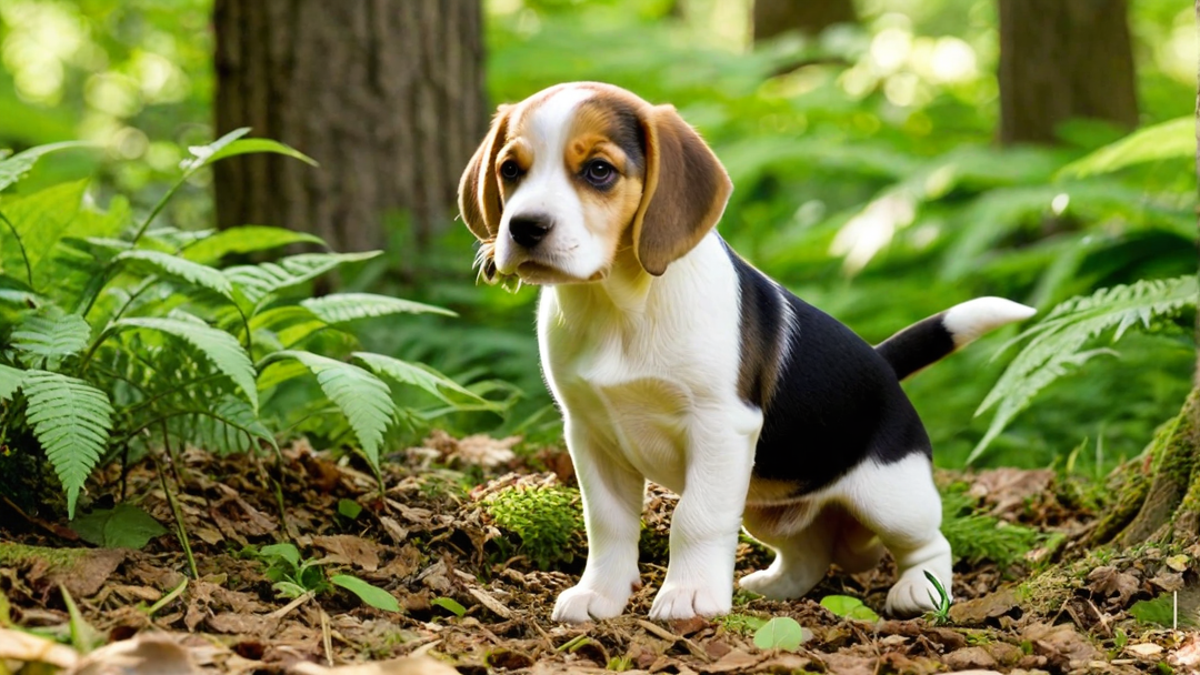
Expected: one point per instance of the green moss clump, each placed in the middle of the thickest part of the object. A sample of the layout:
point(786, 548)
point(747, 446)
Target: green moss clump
point(547, 520)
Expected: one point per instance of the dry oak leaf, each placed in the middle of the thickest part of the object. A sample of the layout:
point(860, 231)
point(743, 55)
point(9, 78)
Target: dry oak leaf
point(146, 654)
point(419, 665)
point(348, 549)
point(1107, 582)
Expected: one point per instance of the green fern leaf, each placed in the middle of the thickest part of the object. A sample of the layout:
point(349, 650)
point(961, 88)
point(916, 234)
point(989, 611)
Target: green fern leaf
point(51, 335)
point(10, 381)
point(71, 419)
point(1056, 344)
point(168, 265)
point(12, 169)
point(258, 281)
point(245, 239)
point(227, 428)
point(1173, 139)
point(41, 220)
point(221, 348)
point(345, 307)
point(363, 398)
point(427, 379)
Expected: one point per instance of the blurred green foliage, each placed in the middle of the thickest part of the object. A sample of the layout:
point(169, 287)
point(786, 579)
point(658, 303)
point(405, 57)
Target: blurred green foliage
point(867, 180)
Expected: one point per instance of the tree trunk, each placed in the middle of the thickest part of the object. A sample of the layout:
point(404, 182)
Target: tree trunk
point(772, 17)
point(387, 95)
point(1061, 59)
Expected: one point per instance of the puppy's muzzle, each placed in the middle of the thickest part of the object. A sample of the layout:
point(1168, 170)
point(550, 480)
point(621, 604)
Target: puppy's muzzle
point(529, 230)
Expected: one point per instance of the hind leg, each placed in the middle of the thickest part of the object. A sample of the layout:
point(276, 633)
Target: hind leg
point(803, 551)
point(899, 503)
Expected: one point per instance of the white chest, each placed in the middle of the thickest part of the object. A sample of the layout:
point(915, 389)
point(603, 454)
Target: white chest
point(641, 368)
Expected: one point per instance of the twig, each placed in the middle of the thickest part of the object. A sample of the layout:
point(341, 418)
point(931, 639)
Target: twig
point(180, 529)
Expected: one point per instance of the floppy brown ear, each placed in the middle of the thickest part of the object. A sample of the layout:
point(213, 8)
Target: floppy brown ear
point(479, 189)
point(685, 191)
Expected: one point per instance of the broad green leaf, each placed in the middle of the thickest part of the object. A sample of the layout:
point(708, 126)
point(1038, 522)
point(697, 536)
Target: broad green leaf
point(782, 632)
point(1173, 139)
point(349, 508)
point(345, 307)
point(450, 605)
point(245, 146)
point(10, 381)
point(284, 551)
point(259, 281)
point(372, 595)
point(363, 398)
point(123, 526)
point(12, 169)
point(848, 607)
point(426, 378)
point(245, 239)
point(178, 268)
point(221, 348)
point(41, 219)
point(71, 420)
point(51, 335)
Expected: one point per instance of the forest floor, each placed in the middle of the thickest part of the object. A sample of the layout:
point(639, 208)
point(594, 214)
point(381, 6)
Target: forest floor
point(470, 599)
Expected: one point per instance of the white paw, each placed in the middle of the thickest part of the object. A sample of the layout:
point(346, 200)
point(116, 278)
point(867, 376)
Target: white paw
point(677, 601)
point(579, 604)
point(913, 595)
point(772, 584)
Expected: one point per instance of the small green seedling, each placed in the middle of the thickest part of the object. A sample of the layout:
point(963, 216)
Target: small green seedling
point(941, 615)
point(848, 607)
point(782, 632)
point(294, 576)
point(744, 624)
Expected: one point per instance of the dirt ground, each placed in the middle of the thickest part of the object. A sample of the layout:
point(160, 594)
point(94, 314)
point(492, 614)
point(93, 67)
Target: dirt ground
point(431, 545)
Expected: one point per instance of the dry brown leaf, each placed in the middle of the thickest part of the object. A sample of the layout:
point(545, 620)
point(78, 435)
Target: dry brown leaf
point(348, 549)
point(420, 665)
point(146, 654)
point(1144, 649)
point(1107, 582)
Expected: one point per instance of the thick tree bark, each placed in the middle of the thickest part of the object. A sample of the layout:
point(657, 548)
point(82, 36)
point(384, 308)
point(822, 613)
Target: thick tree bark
point(1061, 59)
point(387, 95)
point(772, 17)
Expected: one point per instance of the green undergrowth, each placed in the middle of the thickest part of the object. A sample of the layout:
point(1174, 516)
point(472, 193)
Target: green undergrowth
point(976, 537)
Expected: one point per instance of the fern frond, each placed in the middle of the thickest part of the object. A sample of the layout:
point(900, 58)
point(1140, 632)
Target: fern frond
point(175, 267)
point(427, 379)
point(245, 239)
point(221, 348)
point(10, 381)
point(259, 281)
point(346, 307)
point(50, 335)
point(72, 420)
point(229, 427)
point(363, 398)
point(1056, 344)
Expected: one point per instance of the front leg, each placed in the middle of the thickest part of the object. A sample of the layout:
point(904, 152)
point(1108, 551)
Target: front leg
point(612, 512)
point(704, 528)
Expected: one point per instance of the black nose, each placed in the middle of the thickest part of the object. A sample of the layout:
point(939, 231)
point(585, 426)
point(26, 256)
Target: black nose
point(528, 230)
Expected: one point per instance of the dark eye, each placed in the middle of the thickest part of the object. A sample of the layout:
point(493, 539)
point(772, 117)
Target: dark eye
point(599, 173)
point(509, 170)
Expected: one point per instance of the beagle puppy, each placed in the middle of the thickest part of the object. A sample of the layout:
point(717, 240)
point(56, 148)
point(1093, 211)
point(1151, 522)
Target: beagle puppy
point(675, 360)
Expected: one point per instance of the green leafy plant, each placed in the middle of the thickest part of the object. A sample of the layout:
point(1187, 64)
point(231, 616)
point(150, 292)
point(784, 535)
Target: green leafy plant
point(548, 521)
point(976, 537)
point(293, 576)
point(1059, 342)
point(117, 334)
point(941, 615)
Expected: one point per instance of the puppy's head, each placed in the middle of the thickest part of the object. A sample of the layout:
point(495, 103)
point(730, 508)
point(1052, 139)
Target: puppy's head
point(573, 176)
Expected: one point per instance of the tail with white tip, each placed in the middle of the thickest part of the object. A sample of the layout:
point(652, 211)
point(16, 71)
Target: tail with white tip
point(935, 338)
